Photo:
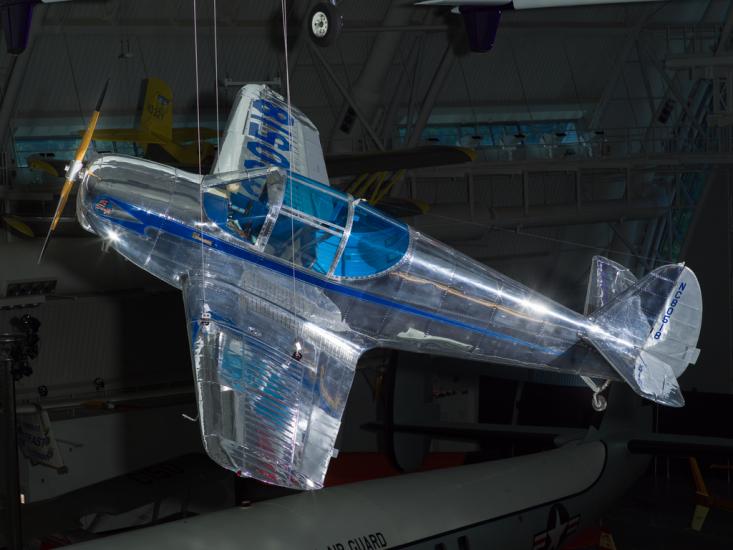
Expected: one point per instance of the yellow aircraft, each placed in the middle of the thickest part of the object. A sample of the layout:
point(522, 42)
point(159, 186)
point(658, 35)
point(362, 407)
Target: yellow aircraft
point(375, 172)
point(156, 134)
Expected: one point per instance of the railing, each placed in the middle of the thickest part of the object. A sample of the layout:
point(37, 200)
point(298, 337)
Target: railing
point(610, 143)
point(692, 39)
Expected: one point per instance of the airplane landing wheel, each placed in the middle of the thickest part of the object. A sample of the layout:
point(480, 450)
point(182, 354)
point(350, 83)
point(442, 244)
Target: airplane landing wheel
point(599, 402)
point(324, 24)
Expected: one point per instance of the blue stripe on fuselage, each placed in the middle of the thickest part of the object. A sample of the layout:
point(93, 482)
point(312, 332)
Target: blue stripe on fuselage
point(191, 234)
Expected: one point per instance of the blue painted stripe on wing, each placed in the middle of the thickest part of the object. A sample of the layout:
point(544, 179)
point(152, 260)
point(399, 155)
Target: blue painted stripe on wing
point(190, 234)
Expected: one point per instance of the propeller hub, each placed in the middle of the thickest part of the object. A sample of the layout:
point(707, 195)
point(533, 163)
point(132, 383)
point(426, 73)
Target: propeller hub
point(73, 170)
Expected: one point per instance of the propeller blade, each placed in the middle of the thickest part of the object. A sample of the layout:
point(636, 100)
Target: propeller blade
point(74, 169)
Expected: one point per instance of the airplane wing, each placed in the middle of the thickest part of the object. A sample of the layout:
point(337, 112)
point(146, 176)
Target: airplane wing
point(128, 134)
point(353, 164)
point(271, 388)
point(681, 445)
point(182, 135)
point(482, 17)
point(526, 4)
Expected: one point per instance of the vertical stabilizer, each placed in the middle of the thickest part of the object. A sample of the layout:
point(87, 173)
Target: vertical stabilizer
point(261, 133)
point(157, 113)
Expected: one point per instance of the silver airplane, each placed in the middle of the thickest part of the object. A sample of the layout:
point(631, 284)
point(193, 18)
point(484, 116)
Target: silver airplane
point(286, 282)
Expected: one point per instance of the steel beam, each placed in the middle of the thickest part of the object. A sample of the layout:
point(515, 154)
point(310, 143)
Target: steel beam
point(628, 244)
point(646, 47)
point(349, 99)
point(436, 84)
point(450, 221)
point(618, 68)
point(726, 32)
point(647, 84)
point(412, 60)
point(658, 162)
point(691, 61)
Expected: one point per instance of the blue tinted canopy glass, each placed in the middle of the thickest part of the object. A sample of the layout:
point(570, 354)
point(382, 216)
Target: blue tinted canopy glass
point(316, 228)
point(376, 243)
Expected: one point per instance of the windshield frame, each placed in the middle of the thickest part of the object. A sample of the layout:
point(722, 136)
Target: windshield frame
point(274, 181)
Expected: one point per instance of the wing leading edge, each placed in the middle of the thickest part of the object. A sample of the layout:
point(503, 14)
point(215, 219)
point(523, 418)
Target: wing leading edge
point(262, 412)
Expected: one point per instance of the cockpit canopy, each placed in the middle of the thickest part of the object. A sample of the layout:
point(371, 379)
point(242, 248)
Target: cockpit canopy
point(305, 223)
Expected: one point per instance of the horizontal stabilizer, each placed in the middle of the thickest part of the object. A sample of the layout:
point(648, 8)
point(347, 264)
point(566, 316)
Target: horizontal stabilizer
point(183, 135)
point(649, 332)
point(607, 280)
point(681, 445)
point(52, 166)
point(129, 134)
point(525, 4)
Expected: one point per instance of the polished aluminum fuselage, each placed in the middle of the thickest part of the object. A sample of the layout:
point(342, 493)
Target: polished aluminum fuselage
point(435, 300)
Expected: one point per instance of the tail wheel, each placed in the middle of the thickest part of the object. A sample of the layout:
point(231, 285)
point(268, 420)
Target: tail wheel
point(324, 24)
point(599, 402)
